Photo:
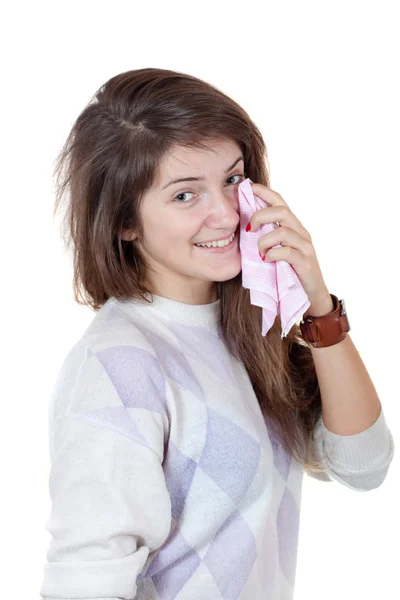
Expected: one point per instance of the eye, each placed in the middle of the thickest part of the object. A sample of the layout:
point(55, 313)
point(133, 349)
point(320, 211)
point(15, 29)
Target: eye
point(176, 199)
point(237, 175)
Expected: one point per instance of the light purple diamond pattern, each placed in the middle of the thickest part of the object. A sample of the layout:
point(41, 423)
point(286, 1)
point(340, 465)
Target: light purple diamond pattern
point(268, 568)
point(173, 566)
point(230, 456)
point(231, 556)
point(179, 471)
point(136, 376)
point(174, 363)
point(204, 346)
point(288, 521)
point(116, 418)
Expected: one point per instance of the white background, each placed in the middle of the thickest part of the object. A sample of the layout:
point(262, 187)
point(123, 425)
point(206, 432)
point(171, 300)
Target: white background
point(321, 80)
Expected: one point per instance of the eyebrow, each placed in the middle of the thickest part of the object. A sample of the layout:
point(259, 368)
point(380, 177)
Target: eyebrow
point(201, 178)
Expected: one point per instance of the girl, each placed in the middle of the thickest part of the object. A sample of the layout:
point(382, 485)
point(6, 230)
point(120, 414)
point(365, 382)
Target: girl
point(178, 433)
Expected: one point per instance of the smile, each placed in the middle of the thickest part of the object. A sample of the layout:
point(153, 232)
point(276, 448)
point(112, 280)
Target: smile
point(224, 247)
point(218, 243)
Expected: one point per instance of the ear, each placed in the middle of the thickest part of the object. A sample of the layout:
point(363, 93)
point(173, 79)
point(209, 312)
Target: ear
point(128, 235)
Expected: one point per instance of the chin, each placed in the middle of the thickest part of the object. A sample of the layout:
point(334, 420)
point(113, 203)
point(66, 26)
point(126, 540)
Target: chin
point(229, 273)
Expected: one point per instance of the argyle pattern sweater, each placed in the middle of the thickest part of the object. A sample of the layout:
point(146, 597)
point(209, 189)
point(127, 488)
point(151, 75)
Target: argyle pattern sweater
point(165, 481)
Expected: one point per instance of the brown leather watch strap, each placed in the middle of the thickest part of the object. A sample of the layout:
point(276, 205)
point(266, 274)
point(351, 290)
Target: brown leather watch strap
point(326, 330)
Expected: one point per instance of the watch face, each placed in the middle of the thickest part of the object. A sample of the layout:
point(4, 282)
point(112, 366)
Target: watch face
point(343, 312)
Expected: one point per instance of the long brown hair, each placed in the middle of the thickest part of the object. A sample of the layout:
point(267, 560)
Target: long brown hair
point(109, 161)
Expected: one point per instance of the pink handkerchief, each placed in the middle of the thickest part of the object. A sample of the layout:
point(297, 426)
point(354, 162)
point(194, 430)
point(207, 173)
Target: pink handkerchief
point(274, 286)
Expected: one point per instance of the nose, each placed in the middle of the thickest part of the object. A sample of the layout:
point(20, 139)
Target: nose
point(222, 203)
point(220, 214)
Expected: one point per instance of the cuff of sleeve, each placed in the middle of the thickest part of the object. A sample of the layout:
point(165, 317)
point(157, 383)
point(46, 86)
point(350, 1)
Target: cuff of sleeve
point(369, 449)
point(106, 579)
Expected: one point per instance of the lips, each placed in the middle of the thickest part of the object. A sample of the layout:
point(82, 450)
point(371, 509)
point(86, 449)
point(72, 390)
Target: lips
point(220, 249)
point(226, 240)
point(219, 239)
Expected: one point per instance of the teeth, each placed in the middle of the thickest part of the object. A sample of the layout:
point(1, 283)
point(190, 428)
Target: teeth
point(217, 244)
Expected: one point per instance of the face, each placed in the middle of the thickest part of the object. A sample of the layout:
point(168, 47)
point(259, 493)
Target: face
point(176, 216)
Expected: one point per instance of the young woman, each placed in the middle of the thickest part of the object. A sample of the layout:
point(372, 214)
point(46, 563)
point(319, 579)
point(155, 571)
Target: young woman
point(178, 433)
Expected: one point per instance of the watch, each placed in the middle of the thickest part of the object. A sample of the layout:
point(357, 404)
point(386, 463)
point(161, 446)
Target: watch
point(329, 329)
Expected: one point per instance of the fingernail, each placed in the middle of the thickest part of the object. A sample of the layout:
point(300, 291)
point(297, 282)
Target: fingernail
point(248, 226)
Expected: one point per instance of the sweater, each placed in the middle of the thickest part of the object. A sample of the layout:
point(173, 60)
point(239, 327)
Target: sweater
point(165, 482)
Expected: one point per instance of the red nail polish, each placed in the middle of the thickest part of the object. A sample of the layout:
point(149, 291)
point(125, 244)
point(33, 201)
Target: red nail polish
point(248, 226)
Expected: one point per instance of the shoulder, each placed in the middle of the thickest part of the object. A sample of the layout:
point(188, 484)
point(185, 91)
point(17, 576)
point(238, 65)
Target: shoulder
point(113, 365)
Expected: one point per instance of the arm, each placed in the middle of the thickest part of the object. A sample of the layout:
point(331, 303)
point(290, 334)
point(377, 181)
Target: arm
point(110, 508)
point(351, 439)
point(359, 461)
point(350, 403)
point(110, 502)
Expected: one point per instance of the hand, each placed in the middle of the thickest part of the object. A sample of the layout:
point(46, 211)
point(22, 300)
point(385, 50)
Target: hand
point(298, 249)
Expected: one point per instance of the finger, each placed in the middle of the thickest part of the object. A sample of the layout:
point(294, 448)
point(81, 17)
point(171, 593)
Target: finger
point(267, 194)
point(287, 238)
point(282, 216)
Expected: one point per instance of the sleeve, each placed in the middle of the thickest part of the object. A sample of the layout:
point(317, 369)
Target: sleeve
point(110, 506)
point(360, 462)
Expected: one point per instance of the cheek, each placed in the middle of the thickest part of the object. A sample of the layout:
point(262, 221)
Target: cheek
point(171, 230)
point(181, 232)
point(170, 241)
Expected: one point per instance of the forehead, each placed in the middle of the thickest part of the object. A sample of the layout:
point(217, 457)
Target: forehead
point(181, 160)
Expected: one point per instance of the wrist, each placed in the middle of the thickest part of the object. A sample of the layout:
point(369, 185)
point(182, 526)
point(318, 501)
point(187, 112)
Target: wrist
point(319, 308)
